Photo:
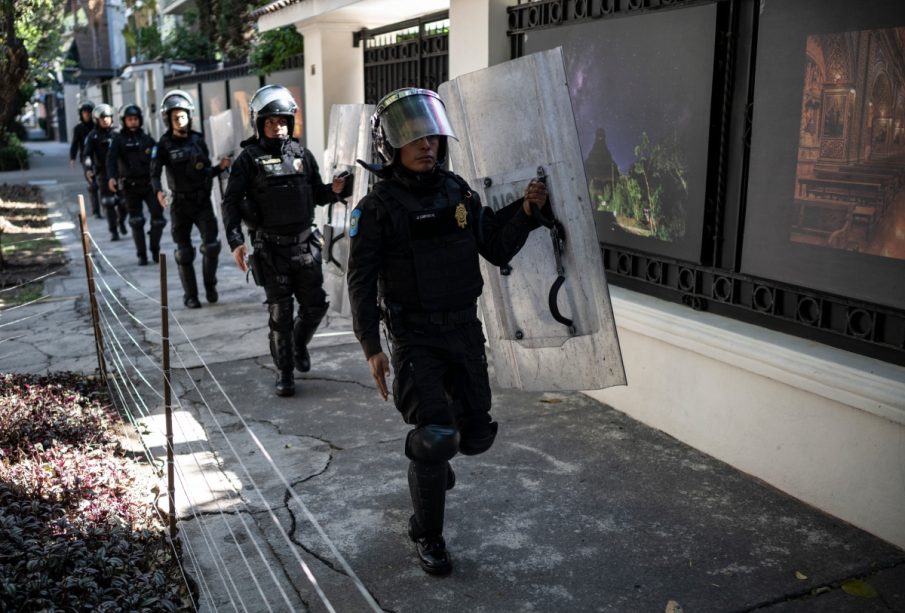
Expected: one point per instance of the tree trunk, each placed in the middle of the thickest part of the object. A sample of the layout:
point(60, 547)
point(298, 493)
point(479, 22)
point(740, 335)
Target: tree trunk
point(13, 67)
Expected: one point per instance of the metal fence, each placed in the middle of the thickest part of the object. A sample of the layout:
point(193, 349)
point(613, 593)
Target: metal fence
point(413, 53)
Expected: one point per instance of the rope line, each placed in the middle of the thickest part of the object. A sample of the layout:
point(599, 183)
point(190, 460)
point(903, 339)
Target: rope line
point(116, 270)
point(334, 550)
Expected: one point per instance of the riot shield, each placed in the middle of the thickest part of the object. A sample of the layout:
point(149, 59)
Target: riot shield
point(548, 316)
point(348, 139)
point(224, 142)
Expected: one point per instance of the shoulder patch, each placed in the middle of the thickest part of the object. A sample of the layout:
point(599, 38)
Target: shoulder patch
point(353, 222)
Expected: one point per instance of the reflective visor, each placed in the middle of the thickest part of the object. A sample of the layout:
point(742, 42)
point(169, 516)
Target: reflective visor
point(412, 115)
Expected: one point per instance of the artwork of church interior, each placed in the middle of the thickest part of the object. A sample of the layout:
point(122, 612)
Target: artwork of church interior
point(849, 189)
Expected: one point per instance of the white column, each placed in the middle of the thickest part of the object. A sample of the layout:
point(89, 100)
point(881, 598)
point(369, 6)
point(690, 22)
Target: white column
point(477, 35)
point(333, 75)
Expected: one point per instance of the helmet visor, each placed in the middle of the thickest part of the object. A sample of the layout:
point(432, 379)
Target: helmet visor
point(414, 116)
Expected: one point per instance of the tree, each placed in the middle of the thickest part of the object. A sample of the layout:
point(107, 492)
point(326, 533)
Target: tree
point(30, 35)
point(141, 34)
point(274, 47)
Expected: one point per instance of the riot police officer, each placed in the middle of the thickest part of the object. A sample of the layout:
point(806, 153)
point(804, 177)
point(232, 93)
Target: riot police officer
point(273, 187)
point(413, 261)
point(189, 177)
point(77, 150)
point(129, 165)
point(94, 161)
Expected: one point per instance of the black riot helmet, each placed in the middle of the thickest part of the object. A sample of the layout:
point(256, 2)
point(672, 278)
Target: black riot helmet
point(173, 100)
point(131, 110)
point(269, 101)
point(404, 116)
point(102, 110)
point(86, 105)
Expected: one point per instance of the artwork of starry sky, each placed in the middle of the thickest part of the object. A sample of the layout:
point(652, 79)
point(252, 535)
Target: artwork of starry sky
point(642, 73)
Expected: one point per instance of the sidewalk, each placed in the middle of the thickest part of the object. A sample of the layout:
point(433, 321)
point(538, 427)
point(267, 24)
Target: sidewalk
point(575, 508)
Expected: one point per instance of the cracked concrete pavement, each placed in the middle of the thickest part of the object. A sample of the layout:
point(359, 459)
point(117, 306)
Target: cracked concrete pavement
point(576, 507)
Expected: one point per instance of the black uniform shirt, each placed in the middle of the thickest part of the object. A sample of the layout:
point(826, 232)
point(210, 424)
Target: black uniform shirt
point(192, 171)
point(499, 236)
point(79, 133)
point(97, 145)
point(242, 181)
point(130, 156)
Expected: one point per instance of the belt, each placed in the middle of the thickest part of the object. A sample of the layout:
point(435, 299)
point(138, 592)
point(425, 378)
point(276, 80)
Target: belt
point(193, 194)
point(283, 239)
point(442, 318)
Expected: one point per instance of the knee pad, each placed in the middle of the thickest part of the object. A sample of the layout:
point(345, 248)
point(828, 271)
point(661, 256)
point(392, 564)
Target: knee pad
point(184, 255)
point(432, 444)
point(137, 222)
point(158, 223)
point(280, 315)
point(478, 440)
point(108, 201)
point(210, 249)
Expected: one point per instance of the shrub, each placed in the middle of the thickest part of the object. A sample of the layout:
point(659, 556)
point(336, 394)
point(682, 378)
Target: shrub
point(13, 156)
point(78, 531)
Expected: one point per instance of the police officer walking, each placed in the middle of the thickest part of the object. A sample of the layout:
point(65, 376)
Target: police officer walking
point(94, 161)
point(77, 150)
point(190, 177)
point(413, 261)
point(129, 165)
point(273, 187)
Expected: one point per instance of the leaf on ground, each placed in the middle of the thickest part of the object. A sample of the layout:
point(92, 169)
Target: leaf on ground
point(800, 575)
point(862, 589)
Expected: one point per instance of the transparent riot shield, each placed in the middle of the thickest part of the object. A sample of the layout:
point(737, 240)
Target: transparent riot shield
point(548, 316)
point(349, 139)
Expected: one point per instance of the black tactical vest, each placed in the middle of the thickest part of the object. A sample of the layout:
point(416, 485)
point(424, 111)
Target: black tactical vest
point(439, 251)
point(281, 190)
point(135, 156)
point(187, 162)
point(101, 145)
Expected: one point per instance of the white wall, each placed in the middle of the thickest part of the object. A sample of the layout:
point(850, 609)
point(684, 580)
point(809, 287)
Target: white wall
point(824, 425)
point(477, 35)
point(333, 75)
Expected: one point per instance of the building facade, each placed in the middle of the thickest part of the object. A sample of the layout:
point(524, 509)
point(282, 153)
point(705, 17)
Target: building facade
point(758, 289)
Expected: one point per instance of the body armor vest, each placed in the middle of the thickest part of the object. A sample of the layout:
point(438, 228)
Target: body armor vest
point(186, 170)
point(135, 158)
point(281, 194)
point(439, 249)
point(99, 147)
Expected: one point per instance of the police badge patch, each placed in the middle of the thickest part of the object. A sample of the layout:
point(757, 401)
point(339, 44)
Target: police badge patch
point(353, 222)
point(461, 215)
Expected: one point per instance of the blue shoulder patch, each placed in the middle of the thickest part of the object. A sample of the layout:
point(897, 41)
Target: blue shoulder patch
point(353, 222)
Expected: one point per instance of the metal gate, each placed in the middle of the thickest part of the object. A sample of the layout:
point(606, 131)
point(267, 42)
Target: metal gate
point(413, 53)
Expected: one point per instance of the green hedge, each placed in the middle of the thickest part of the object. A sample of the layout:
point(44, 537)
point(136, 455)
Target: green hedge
point(13, 156)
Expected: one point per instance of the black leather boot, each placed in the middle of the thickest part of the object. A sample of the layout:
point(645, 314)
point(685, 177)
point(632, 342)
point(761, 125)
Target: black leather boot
point(427, 486)
point(138, 236)
point(431, 551)
point(185, 256)
point(189, 286)
point(285, 385)
point(303, 331)
point(281, 345)
point(209, 255)
point(154, 235)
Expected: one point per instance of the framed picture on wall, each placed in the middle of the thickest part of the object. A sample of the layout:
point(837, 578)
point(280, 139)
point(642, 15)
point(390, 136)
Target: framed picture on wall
point(825, 207)
point(641, 89)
